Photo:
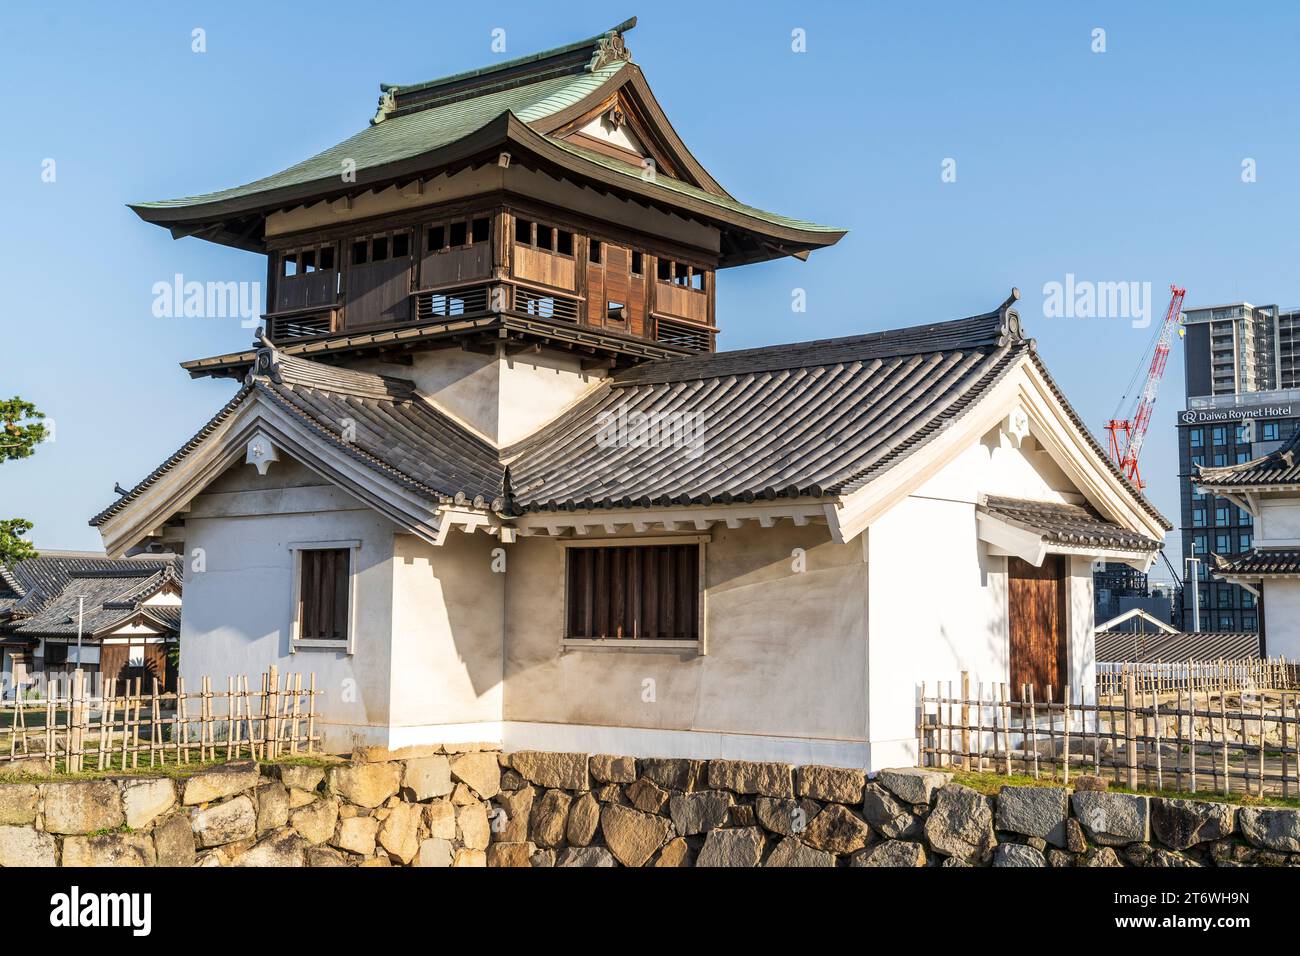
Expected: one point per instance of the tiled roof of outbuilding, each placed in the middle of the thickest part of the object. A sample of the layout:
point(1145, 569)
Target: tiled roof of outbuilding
point(1066, 524)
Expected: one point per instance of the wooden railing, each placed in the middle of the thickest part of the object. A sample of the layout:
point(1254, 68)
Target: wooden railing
point(301, 323)
point(120, 725)
point(684, 335)
point(1194, 738)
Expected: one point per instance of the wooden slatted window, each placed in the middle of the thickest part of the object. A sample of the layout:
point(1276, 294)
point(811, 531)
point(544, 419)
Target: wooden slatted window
point(323, 594)
point(643, 592)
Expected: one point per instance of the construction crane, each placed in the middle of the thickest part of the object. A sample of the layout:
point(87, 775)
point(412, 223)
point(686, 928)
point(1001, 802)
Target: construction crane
point(1128, 434)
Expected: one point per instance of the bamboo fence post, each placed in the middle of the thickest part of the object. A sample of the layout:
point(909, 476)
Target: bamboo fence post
point(1051, 731)
point(920, 729)
point(183, 738)
point(230, 717)
point(297, 713)
point(1069, 719)
point(51, 716)
point(1006, 724)
point(311, 714)
point(965, 720)
point(75, 710)
point(1223, 734)
point(1261, 744)
point(1033, 729)
point(1286, 789)
point(1160, 774)
point(1130, 739)
point(155, 732)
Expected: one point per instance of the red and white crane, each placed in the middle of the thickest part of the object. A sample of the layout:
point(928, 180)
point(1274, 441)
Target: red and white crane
point(1128, 434)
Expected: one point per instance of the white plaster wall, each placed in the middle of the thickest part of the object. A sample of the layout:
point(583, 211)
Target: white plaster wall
point(503, 398)
point(1279, 519)
point(448, 619)
point(783, 678)
point(1282, 618)
point(238, 610)
point(938, 598)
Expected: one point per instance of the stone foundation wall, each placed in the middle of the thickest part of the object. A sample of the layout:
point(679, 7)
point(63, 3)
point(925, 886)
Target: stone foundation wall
point(440, 807)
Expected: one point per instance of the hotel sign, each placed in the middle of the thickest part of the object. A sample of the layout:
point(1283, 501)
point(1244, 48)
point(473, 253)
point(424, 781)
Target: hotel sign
point(1209, 416)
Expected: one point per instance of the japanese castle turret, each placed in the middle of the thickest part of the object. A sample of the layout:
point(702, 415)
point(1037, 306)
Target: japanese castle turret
point(541, 205)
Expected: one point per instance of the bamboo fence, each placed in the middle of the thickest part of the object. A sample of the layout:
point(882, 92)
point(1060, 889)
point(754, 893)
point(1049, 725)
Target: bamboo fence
point(126, 727)
point(1222, 675)
point(1190, 737)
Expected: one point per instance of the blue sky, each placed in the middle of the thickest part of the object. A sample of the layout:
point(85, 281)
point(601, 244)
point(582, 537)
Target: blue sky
point(1116, 166)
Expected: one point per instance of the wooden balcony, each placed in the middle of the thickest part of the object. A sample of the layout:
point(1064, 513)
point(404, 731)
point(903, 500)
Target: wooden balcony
point(301, 323)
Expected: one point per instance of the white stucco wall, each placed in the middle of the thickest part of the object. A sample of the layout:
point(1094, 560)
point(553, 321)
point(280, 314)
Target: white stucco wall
point(238, 610)
point(1282, 618)
point(504, 398)
point(783, 677)
point(448, 618)
point(938, 598)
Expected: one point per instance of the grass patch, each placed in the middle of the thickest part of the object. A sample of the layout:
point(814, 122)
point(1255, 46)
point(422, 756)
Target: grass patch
point(990, 783)
point(173, 771)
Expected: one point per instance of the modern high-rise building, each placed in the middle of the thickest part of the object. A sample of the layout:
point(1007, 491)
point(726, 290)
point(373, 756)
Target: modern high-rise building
point(1243, 401)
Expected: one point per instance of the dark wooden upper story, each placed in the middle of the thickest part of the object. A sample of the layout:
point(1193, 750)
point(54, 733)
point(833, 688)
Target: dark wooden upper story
point(546, 199)
point(479, 259)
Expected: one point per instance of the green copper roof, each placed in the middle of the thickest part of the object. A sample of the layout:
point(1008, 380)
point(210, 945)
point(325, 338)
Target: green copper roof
point(409, 135)
point(686, 189)
point(465, 115)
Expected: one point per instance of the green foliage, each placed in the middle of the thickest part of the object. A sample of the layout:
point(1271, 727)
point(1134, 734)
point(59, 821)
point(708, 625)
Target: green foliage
point(13, 546)
point(21, 428)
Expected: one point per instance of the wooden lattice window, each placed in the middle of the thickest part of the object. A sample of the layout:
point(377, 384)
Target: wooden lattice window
point(640, 592)
point(324, 594)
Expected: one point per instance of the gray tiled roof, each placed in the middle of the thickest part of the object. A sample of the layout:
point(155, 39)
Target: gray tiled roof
point(1134, 648)
point(113, 590)
point(42, 578)
point(1067, 524)
point(802, 420)
point(1281, 467)
point(809, 419)
point(1259, 562)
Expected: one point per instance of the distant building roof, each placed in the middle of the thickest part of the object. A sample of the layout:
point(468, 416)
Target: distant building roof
point(1130, 647)
point(53, 585)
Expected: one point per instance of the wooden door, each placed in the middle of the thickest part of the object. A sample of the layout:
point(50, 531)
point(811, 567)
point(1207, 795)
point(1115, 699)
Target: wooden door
point(1036, 616)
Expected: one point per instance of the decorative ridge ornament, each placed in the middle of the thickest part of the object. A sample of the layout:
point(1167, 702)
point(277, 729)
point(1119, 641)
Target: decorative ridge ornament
point(266, 363)
point(1011, 328)
point(610, 47)
point(387, 103)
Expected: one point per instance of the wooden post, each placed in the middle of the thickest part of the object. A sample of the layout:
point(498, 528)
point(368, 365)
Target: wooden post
point(1066, 698)
point(155, 732)
point(1160, 777)
point(76, 711)
point(1033, 729)
point(1130, 737)
point(920, 728)
point(1286, 789)
point(311, 714)
point(1223, 736)
point(1005, 694)
point(272, 728)
point(965, 720)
